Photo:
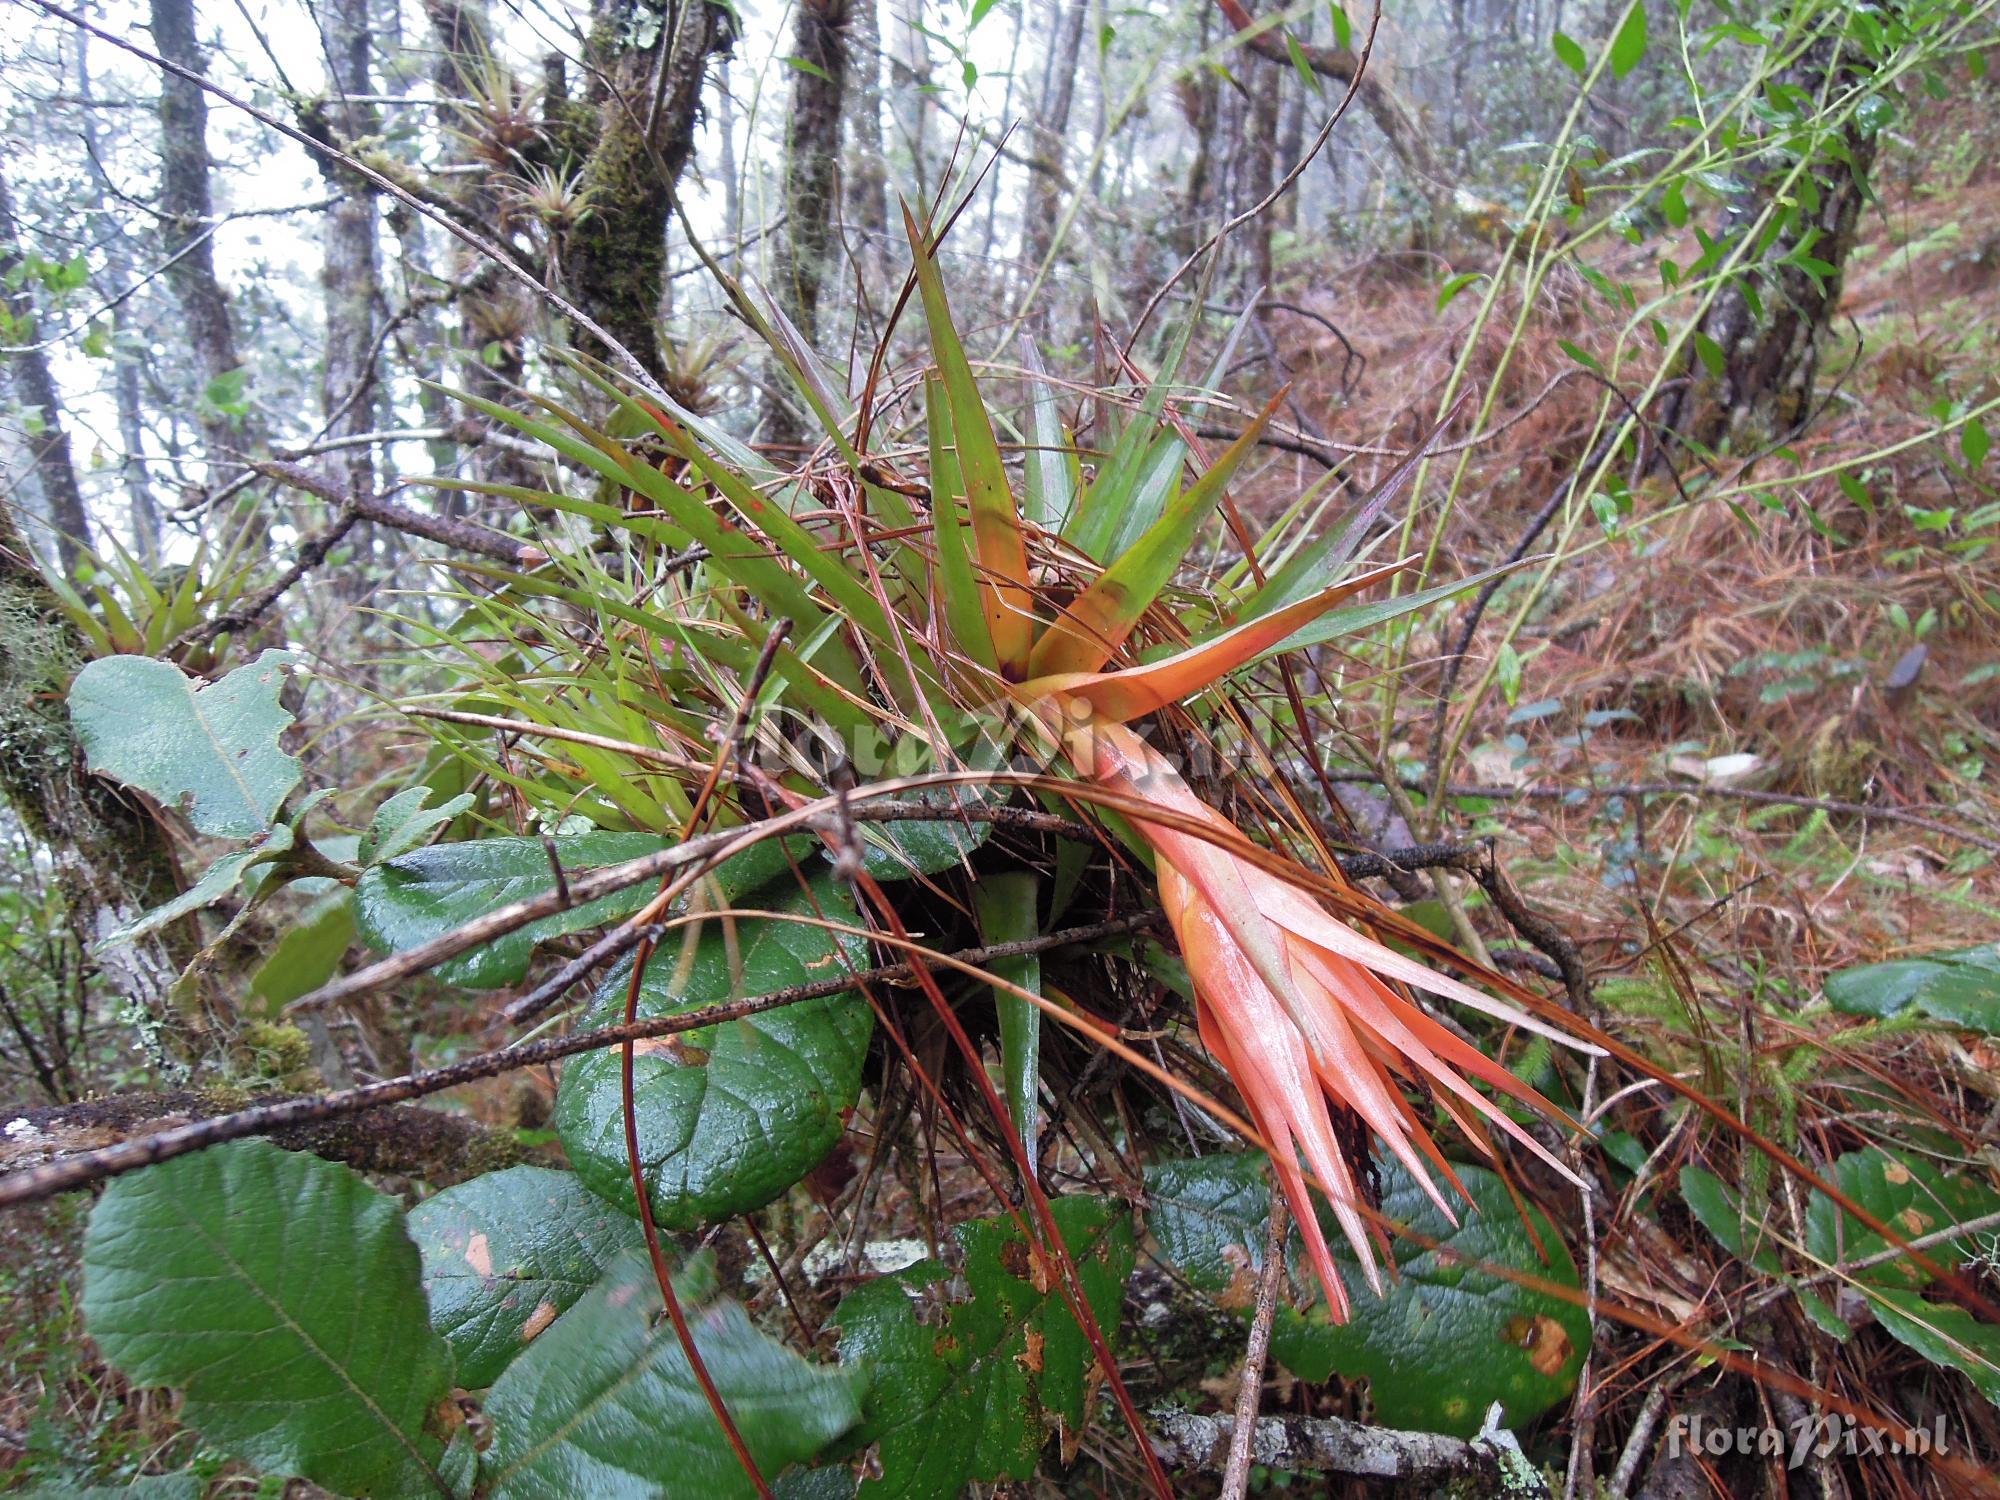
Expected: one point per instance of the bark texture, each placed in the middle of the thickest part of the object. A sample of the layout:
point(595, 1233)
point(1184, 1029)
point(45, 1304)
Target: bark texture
point(187, 227)
point(812, 158)
point(402, 1140)
point(868, 175)
point(111, 858)
point(484, 108)
point(35, 385)
point(352, 277)
point(645, 100)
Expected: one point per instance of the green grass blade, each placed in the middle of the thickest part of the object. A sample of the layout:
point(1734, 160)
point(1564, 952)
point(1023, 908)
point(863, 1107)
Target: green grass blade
point(1357, 619)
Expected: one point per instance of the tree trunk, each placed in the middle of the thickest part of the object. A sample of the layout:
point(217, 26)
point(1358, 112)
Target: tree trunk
point(909, 94)
point(35, 385)
point(1260, 148)
point(111, 859)
point(1048, 181)
point(812, 156)
point(811, 187)
point(645, 91)
point(868, 175)
point(1394, 115)
point(352, 277)
point(187, 226)
point(145, 513)
point(494, 314)
point(1769, 322)
point(142, 513)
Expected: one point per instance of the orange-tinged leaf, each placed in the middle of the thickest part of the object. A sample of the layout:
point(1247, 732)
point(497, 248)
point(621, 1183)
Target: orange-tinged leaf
point(1085, 635)
point(997, 541)
point(1138, 691)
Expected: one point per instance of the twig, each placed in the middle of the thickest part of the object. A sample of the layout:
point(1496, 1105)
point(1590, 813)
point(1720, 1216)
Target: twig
point(1478, 860)
point(312, 552)
point(1236, 1473)
point(1454, 656)
point(1329, 1445)
point(463, 535)
point(110, 1161)
point(487, 249)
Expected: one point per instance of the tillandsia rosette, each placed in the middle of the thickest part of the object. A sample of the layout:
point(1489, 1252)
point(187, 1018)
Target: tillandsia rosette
point(928, 608)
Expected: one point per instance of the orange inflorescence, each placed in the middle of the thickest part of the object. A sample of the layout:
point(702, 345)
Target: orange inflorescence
point(1300, 1009)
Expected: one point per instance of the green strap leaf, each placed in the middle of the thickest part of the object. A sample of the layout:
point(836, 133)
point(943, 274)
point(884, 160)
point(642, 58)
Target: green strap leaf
point(1051, 481)
point(281, 1293)
point(1092, 628)
point(958, 588)
point(1007, 904)
point(996, 525)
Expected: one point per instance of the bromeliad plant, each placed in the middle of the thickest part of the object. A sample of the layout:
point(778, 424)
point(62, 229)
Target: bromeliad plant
point(931, 612)
point(713, 648)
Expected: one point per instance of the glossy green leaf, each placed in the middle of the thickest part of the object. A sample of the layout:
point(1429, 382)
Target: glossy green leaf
point(1718, 1209)
point(1954, 989)
point(1445, 1342)
point(1944, 1333)
point(896, 851)
point(217, 881)
point(1909, 1194)
point(1456, 284)
point(971, 1394)
point(145, 1487)
point(1975, 442)
point(210, 752)
point(605, 1404)
point(281, 1294)
point(506, 1254)
point(732, 1115)
point(1629, 44)
point(428, 892)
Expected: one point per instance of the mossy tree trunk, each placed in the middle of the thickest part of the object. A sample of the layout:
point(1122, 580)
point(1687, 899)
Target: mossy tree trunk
point(111, 857)
point(811, 180)
point(35, 385)
point(648, 63)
